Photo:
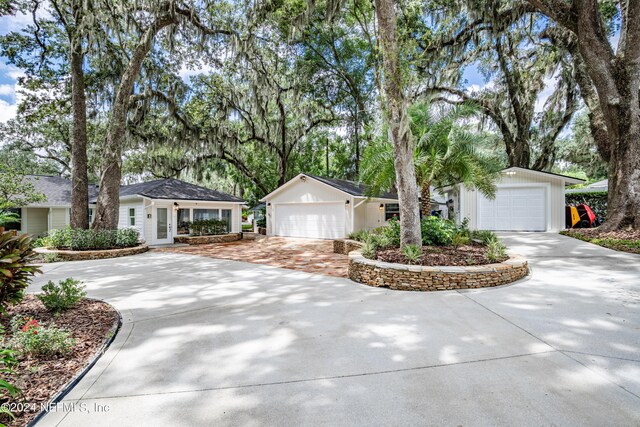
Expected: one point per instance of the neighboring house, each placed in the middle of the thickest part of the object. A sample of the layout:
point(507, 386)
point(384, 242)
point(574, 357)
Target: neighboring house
point(39, 218)
point(315, 207)
point(526, 200)
point(592, 188)
point(157, 209)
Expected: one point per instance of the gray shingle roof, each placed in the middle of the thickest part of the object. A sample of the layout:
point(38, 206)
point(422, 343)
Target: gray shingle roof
point(174, 189)
point(351, 187)
point(56, 189)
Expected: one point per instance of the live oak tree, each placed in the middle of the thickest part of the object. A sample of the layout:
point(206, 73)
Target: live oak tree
point(613, 81)
point(142, 21)
point(506, 42)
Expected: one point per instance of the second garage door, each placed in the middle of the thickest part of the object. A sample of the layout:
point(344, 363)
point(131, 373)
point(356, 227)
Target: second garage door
point(514, 209)
point(311, 220)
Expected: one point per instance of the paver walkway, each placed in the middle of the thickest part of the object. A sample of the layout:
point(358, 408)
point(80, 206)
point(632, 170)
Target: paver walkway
point(312, 256)
point(209, 342)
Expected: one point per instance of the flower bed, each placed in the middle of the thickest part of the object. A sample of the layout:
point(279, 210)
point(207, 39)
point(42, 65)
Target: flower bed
point(41, 376)
point(204, 240)
point(435, 278)
point(66, 255)
point(465, 255)
point(621, 240)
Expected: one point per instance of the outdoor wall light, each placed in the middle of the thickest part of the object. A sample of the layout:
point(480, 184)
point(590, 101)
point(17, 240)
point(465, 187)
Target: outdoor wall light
point(268, 204)
point(381, 206)
point(148, 216)
point(303, 178)
point(347, 202)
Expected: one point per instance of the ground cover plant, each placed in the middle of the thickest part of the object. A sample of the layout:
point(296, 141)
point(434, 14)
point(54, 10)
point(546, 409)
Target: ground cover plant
point(444, 243)
point(83, 240)
point(622, 240)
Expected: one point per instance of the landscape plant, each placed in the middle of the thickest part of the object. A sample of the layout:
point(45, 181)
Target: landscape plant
point(81, 240)
point(411, 253)
point(16, 268)
point(32, 338)
point(64, 295)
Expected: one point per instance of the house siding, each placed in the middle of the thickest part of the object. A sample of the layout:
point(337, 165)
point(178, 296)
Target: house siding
point(123, 217)
point(59, 218)
point(37, 220)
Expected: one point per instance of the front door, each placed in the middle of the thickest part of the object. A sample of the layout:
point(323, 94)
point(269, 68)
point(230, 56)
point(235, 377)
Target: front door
point(162, 230)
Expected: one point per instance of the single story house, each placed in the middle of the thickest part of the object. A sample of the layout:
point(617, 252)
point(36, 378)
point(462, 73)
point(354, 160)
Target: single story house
point(157, 209)
point(595, 187)
point(54, 212)
point(324, 208)
point(526, 200)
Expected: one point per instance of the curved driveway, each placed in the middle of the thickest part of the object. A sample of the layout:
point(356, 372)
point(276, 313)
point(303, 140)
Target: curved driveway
point(216, 342)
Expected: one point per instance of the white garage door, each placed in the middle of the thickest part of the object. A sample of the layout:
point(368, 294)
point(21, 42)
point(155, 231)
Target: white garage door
point(311, 220)
point(514, 209)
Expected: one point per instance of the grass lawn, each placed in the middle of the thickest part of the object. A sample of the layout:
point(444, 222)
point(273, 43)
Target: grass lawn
point(624, 241)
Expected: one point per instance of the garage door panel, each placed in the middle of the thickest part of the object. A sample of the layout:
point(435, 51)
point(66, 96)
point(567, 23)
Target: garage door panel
point(514, 209)
point(311, 220)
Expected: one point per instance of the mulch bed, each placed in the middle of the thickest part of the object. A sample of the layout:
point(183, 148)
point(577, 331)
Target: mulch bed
point(619, 240)
point(441, 256)
point(91, 322)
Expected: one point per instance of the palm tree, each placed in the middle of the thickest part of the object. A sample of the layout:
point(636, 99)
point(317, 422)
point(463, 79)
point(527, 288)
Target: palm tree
point(446, 153)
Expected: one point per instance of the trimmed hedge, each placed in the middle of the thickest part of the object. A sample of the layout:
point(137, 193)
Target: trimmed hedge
point(85, 240)
point(597, 201)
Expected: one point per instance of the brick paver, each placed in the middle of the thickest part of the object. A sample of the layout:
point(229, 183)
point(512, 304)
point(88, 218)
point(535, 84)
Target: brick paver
point(312, 256)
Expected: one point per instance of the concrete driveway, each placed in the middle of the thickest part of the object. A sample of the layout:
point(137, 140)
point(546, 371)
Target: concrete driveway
point(215, 342)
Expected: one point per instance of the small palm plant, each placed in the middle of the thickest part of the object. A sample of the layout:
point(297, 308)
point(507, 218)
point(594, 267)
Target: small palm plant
point(446, 153)
point(412, 253)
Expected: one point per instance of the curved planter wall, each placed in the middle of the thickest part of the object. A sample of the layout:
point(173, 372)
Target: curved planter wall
point(205, 240)
point(344, 246)
point(97, 254)
point(418, 278)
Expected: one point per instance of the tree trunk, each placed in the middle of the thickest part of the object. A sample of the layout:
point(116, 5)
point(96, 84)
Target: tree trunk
point(79, 179)
point(615, 76)
point(108, 205)
point(425, 200)
point(396, 110)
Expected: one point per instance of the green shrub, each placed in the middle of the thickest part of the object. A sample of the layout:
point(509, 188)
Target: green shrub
point(127, 238)
point(412, 253)
point(496, 250)
point(60, 238)
point(460, 239)
point(392, 231)
point(262, 222)
point(8, 362)
point(360, 236)
point(206, 227)
point(82, 240)
point(62, 296)
point(381, 241)
point(368, 250)
point(437, 231)
point(16, 269)
point(484, 236)
point(35, 339)
point(42, 242)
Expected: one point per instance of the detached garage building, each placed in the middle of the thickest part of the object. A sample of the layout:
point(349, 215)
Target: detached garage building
point(322, 208)
point(526, 200)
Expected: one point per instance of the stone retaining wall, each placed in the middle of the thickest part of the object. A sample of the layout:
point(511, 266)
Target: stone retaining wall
point(64, 255)
point(419, 278)
point(205, 240)
point(344, 246)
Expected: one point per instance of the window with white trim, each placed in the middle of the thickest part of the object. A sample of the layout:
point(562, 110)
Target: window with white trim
point(132, 217)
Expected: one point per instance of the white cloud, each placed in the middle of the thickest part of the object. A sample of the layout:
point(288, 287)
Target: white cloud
point(10, 71)
point(7, 110)
point(7, 89)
